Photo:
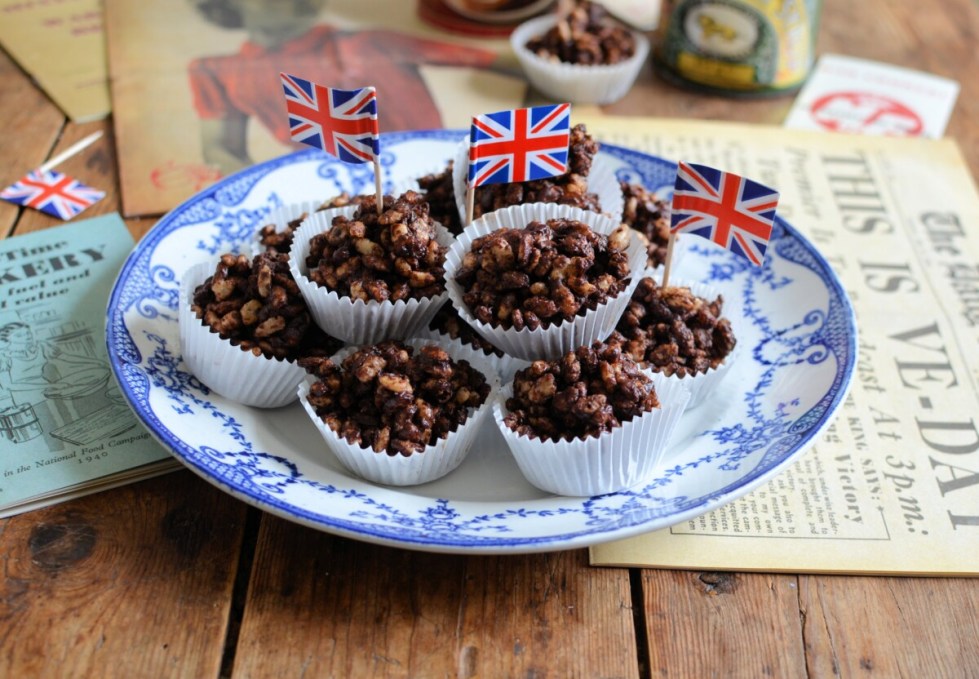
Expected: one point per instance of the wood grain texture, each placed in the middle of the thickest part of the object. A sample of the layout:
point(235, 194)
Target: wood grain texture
point(722, 624)
point(132, 582)
point(890, 627)
point(546, 615)
point(31, 124)
point(323, 606)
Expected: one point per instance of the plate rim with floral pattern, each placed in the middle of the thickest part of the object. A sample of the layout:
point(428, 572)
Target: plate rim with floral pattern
point(798, 333)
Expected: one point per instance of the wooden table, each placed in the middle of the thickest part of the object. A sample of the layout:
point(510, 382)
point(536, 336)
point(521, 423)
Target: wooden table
point(172, 577)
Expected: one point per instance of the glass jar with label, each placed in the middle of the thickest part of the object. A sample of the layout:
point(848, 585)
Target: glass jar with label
point(737, 47)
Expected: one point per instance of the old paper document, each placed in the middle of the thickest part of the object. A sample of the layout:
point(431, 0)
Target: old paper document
point(196, 93)
point(893, 485)
point(844, 94)
point(62, 45)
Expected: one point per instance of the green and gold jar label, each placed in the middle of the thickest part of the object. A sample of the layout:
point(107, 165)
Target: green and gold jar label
point(742, 46)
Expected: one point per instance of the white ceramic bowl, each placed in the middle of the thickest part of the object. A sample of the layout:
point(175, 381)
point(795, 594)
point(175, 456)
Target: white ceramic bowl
point(576, 83)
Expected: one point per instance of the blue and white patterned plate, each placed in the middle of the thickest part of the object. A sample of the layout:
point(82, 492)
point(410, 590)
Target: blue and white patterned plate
point(797, 328)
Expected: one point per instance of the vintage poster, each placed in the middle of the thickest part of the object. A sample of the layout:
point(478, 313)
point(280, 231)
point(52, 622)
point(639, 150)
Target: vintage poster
point(62, 45)
point(196, 91)
point(64, 425)
point(893, 485)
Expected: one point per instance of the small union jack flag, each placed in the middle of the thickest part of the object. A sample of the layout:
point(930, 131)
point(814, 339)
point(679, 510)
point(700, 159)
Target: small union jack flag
point(341, 122)
point(519, 145)
point(734, 212)
point(52, 192)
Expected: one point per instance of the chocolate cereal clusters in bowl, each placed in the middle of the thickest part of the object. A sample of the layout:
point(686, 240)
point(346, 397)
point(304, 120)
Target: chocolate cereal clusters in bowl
point(679, 331)
point(547, 291)
point(539, 280)
point(583, 56)
point(370, 276)
point(244, 325)
point(398, 413)
point(543, 273)
point(650, 217)
point(589, 422)
point(277, 234)
point(438, 191)
point(448, 328)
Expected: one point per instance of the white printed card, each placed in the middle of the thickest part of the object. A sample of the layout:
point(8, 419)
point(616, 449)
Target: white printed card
point(857, 96)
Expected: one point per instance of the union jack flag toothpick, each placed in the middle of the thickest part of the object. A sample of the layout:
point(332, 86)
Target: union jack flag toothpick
point(341, 122)
point(518, 146)
point(52, 192)
point(728, 209)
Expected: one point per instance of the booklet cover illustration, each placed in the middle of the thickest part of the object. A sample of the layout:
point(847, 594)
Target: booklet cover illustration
point(63, 421)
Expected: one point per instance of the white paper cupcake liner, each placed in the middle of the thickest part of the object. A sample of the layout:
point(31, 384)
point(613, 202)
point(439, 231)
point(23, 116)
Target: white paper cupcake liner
point(506, 366)
point(601, 181)
point(434, 462)
point(576, 83)
point(702, 384)
point(558, 338)
point(356, 321)
point(227, 369)
point(617, 460)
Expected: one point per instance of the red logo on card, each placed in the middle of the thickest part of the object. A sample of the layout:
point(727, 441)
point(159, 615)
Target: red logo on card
point(864, 113)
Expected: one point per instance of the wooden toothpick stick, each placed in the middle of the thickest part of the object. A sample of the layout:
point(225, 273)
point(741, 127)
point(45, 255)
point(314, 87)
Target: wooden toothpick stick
point(75, 148)
point(669, 260)
point(470, 204)
point(377, 187)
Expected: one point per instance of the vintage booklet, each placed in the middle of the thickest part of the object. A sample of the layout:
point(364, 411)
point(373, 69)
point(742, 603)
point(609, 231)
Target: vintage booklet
point(893, 485)
point(65, 428)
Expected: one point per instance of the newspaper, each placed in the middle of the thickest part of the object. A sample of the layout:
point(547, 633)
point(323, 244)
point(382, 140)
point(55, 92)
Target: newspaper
point(893, 485)
point(65, 428)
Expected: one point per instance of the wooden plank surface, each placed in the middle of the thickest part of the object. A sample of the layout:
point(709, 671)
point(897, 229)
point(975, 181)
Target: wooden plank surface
point(891, 627)
point(132, 582)
point(702, 624)
point(323, 606)
point(31, 124)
